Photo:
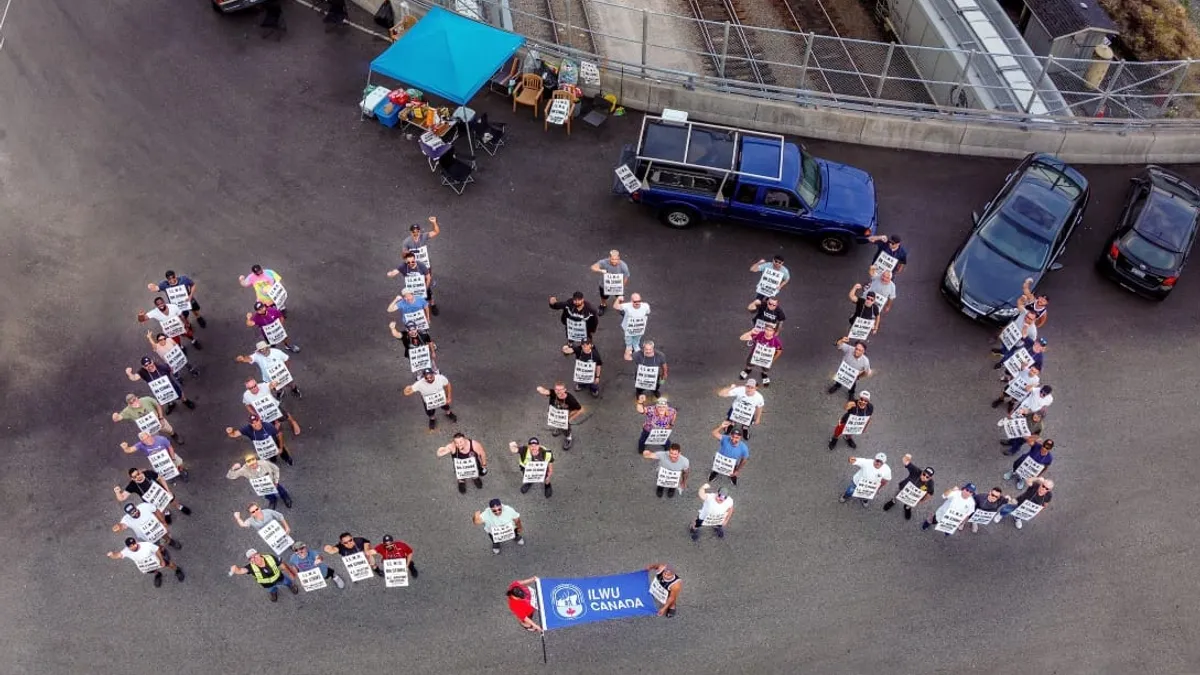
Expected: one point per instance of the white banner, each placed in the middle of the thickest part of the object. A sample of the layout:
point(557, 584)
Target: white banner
point(163, 392)
point(866, 488)
point(272, 533)
point(417, 317)
point(274, 332)
point(1020, 360)
point(1017, 388)
point(724, 465)
point(157, 497)
point(416, 284)
point(279, 374)
point(1027, 510)
point(585, 372)
point(395, 573)
point(312, 580)
point(856, 424)
point(161, 462)
point(614, 283)
point(435, 400)
point(465, 467)
point(847, 375)
point(421, 254)
point(149, 423)
point(1014, 427)
point(175, 358)
point(658, 436)
point(763, 356)
point(576, 330)
point(278, 295)
point(558, 418)
point(266, 406)
point(263, 486)
point(535, 472)
point(503, 532)
point(151, 530)
point(1030, 469)
point(266, 448)
point(172, 326)
point(911, 495)
point(148, 564)
point(769, 282)
point(635, 326)
point(646, 378)
point(885, 261)
point(668, 478)
point(1011, 334)
point(658, 592)
point(419, 358)
point(178, 295)
point(861, 329)
point(981, 517)
point(715, 519)
point(357, 567)
point(953, 519)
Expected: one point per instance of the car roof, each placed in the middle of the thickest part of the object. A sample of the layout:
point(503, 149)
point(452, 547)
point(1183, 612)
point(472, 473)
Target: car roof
point(1167, 219)
point(1036, 208)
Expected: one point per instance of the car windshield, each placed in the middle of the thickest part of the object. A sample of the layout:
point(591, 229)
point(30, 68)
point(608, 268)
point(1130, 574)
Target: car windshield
point(1146, 251)
point(809, 186)
point(1167, 221)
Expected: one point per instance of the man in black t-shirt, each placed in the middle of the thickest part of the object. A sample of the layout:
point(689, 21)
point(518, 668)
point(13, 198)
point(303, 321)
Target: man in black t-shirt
point(561, 399)
point(1038, 492)
point(920, 479)
point(349, 544)
point(140, 482)
point(864, 306)
point(861, 407)
point(587, 352)
point(769, 312)
point(576, 309)
point(990, 502)
point(152, 370)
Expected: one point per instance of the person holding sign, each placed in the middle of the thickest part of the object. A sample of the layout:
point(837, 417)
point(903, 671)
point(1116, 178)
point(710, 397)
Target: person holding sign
point(914, 490)
point(855, 366)
point(1032, 464)
point(267, 571)
point(412, 309)
point(889, 253)
point(260, 518)
point(991, 503)
point(1033, 501)
point(665, 586)
point(520, 603)
point(1023, 330)
point(153, 490)
point(350, 546)
point(181, 291)
point(577, 317)
point(161, 454)
point(147, 524)
point(267, 438)
point(673, 470)
point(264, 478)
point(262, 281)
point(391, 549)
point(715, 512)
point(417, 278)
point(732, 453)
point(1030, 302)
point(769, 312)
point(635, 314)
point(765, 350)
point(885, 292)
point(864, 322)
point(1033, 422)
point(148, 558)
point(587, 366)
point(854, 421)
point(957, 507)
point(163, 383)
point(660, 421)
point(1019, 387)
point(272, 367)
point(563, 409)
point(1036, 401)
point(171, 321)
point(304, 560)
point(1024, 353)
point(470, 460)
point(269, 321)
point(871, 477)
point(614, 277)
point(147, 414)
point(436, 392)
point(170, 353)
point(651, 373)
point(747, 406)
point(774, 278)
point(259, 399)
point(417, 242)
point(419, 348)
point(536, 465)
point(501, 523)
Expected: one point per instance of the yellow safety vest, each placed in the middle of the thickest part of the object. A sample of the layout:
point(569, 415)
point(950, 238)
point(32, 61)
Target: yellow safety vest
point(273, 569)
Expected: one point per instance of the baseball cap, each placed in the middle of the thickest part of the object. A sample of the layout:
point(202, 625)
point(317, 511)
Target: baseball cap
point(130, 508)
point(299, 545)
point(735, 432)
point(895, 239)
point(865, 394)
point(881, 457)
point(145, 360)
point(411, 325)
point(534, 441)
point(387, 539)
point(130, 541)
point(751, 382)
point(969, 487)
point(261, 344)
point(253, 417)
point(494, 503)
point(723, 492)
point(662, 402)
point(1042, 341)
point(577, 295)
point(427, 371)
point(259, 305)
point(414, 227)
point(250, 552)
point(929, 471)
point(130, 398)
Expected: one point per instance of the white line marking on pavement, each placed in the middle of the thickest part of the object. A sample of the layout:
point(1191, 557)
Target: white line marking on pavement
point(364, 29)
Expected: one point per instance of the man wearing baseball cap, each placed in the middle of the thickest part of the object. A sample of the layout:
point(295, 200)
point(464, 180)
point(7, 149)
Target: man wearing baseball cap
point(391, 549)
point(533, 452)
point(267, 571)
point(265, 315)
point(152, 370)
point(713, 506)
point(733, 447)
point(412, 337)
point(920, 479)
point(259, 431)
point(268, 359)
point(500, 522)
point(141, 553)
point(860, 407)
point(957, 499)
point(436, 392)
point(869, 471)
point(304, 559)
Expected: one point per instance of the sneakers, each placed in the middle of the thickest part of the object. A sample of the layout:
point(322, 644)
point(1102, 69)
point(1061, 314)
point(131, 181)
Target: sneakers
point(743, 375)
point(833, 442)
point(337, 581)
point(601, 309)
point(907, 513)
point(495, 549)
point(478, 483)
point(548, 491)
point(287, 457)
point(1019, 523)
point(293, 349)
point(452, 417)
point(179, 574)
point(766, 381)
point(412, 569)
point(169, 408)
point(287, 501)
point(1020, 483)
point(297, 392)
point(293, 589)
point(274, 596)
point(659, 491)
point(1008, 475)
point(556, 432)
point(567, 442)
point(157, 579)
point(851, 442)
point(925, 525)
point(462, 488)
point(433, 309)
point(832, 388)
point(866, 503)
point(185, 510)
point(520, 541)
point(203, 323)
point(712, 475)
point(842, 499)
point(887, 506)
point(997, 402)
point(671, 492)
point(578, 387)
point(191, 405)
point(524, 487)
point(174, 544)
point(197, 345)
point(695, 534)
point(432, 423)
point(195, 373)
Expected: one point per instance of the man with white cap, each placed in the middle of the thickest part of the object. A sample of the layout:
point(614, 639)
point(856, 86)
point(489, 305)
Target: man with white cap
point(269, 360)
point(860, 407)
point(874, 473)
point(267, 571)
point(716, 510)
point(956, 499)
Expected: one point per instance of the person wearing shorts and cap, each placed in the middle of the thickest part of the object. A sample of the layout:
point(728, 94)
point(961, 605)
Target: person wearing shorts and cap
point(267, 357)
point(304, 559)
point(140, 550)
point(171, 280)
point(876, 469)
point(956, 498)
point(499, 514)
point(713, 504)
point(534, 452)
point(265, 314)
point(267, 571)
point(261, 280)
point(391, 549)
point(429, 383)
point(922, 478)
point(860, 407)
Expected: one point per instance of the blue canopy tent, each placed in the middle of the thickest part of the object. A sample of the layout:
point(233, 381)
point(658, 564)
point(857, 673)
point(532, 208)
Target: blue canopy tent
point(447, 55)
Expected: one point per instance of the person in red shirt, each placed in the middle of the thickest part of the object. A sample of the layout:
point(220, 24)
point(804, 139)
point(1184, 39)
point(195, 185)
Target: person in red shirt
point(391, 549)
point(520, 603)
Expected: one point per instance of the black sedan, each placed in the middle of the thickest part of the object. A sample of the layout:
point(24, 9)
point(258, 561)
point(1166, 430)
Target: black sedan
point(230, 6)
point(1154, 234)
point(1021, 233)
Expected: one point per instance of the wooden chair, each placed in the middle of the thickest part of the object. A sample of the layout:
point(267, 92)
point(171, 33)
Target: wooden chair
point(528, 92)
point(500, 81)
point(570, 106)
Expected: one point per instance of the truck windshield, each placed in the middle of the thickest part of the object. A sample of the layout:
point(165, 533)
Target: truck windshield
point(809, 186)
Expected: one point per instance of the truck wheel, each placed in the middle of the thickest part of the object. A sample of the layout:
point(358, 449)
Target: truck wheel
point(835, 244)
point(679, 217)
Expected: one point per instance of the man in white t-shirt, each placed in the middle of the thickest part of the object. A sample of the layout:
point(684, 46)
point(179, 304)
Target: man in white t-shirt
point(1037, 401)
point(869, 471)
point(713, 507)
point(259, 391)
point(961, 500)
point(500, 520)
point(164, 311)
point(884, 289)
point(436, 392)
point(635, 315)
point(148, 557)
point(743, 396)
point(143, 520)
point(266, 358)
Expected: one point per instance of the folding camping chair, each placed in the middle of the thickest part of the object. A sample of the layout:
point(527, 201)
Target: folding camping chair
point(488, 136)
point(456, 173)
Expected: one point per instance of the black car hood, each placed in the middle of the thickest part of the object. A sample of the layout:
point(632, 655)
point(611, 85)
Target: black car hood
point(989, 277)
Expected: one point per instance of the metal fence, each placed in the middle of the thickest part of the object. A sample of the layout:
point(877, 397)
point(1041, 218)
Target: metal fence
point(726, 55)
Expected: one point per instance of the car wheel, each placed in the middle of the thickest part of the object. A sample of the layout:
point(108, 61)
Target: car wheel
point(835, 244)
point(679, 217)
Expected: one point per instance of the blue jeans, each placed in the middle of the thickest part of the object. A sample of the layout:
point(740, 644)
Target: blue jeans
point(1014, 446)
point(272, 500)
point(849, 490)
point(283, 581)
point(1007, 509)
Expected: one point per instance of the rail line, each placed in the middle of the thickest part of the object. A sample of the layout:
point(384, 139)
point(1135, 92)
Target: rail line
point(743, 57)
point(579, 27)
point(828, 55)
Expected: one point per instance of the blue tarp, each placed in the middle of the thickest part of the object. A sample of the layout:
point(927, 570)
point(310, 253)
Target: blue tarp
point(447, 55)
point(570, 602)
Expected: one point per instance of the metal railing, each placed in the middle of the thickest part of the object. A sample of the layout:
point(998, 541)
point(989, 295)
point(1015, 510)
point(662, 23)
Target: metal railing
point(843, 73)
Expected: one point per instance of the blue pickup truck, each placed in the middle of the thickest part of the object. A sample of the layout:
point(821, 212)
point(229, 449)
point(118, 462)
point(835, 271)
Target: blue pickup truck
point(689, 171)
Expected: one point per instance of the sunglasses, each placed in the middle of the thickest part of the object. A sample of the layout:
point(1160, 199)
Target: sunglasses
point(497, 509)
point(253, 510)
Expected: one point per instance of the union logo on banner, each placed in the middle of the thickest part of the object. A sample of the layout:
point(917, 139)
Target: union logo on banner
point(567, 600)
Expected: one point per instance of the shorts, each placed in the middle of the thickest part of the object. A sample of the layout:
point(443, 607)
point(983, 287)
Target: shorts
point(603, 296)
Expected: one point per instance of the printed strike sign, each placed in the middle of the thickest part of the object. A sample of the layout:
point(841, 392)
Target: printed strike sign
point(535, 472)
point(635, 326)
point(614, 283)
point(395, 573)
point(417, 318)
point(658, 436)
point(178, 296)
point(743, 412)
point(151, 530)
point(1020, 360)
point(357, 567)
point(846, 375)
point(856, 424)
point(1018, 388)
point(175, 358)
point(953, 519)
point(274, 332)
point(585, 372)
point(266, 406)
point(861, 329)
point(1014, 427)
point(312, 580)
point(659, 593)
point(163, 392)
point(886, 261)
point(769, 282)
point(558, 418)
point(272, 533)
point(715, 519)
point(266, 448)
point(911, 495)
point(172, 326)
point(419, 358)
point(763, 356)
point(668, 478)
point(279, 374)
point(149, 423)
point(422, 255)
point(263, 486)
point(881, 301)
point(157, 497)
point(465, 467)
point(161, 462)
point(415, 283)
point(866, 488)
point(435, 400)
point(277, 294)
point(589, 73)
point(646, 378)
point(724, 465)
point(1011, 334)
point(503, 532)
point(625, 174)
point(1030, 468)
point(148, 564)
point(1027, 510)
point(981, 517)
point(576, 330)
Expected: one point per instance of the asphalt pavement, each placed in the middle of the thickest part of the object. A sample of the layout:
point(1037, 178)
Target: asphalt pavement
point(137, 136)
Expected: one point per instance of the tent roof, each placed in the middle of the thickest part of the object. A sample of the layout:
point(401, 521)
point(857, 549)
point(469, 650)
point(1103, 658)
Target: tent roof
point(424, 57)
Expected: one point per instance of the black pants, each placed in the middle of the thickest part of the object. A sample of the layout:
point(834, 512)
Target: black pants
point(433, 411)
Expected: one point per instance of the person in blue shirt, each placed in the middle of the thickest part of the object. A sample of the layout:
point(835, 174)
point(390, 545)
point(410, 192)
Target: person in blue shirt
point(1037, 350)
point(733, 447)
point(891, 246)
point(171, 279)
point(1040, 453)
point(258, 430)
point(303, 559)
point(412, 308)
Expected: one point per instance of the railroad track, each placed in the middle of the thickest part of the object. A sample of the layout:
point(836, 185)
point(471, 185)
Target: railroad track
point(744, 57)
point(827, 55)
point(580, 35)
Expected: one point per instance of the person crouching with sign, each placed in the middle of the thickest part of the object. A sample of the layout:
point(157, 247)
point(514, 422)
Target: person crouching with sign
point(501, 523)
point(665, 587)
point(520, 603)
